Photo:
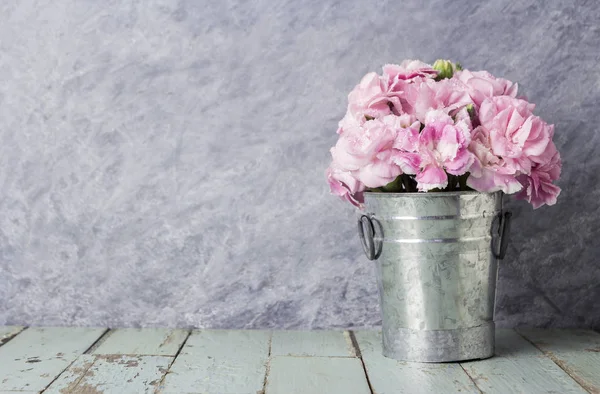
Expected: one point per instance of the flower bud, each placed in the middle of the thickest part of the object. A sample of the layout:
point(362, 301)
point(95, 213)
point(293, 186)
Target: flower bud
point(445, 68)
point(471, 110)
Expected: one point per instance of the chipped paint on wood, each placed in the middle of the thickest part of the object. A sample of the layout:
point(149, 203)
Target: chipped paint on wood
point(576, 351)
point(147, 341)
point(301, 375)
point(220, 362)
point(238, 361)
point(519, 367)
point(312, 343)
point(70, 378)
point(36, 356)
point(390, 376)
point(109, 374)
point(9, 332)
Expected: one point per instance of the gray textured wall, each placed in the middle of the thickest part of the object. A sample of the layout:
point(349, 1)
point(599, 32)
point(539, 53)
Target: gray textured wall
point(161, 162)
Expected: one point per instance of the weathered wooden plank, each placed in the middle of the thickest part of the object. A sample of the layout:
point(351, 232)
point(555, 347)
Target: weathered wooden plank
point(576, 351)
point(112, 374)
point(142, 342)
point(312, 343)
point(8, 332)
point(519, 367)
point(220, 362)
point(35, 357)
point(391, 376)
point(301, 375)
point(71, 376)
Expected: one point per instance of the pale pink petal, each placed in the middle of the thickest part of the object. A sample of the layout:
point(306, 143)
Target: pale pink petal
point(429, 137)
point(538, 191)
point(407, 139)
point(378, 173)
point(344, 185)
point(448, 143)
point(408, 162)
point(461, 163)
point(489, 181)
point(431, 177)
point(483, 181)
point(407, 70)
point(518, 128)
point(483, 85)
point(438, 116)
point(539, 137)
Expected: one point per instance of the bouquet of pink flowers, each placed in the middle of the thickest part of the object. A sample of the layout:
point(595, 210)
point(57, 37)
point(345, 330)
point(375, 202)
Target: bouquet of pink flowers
point(425, 128)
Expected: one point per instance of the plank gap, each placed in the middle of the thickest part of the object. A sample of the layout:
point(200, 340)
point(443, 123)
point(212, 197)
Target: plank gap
point(268, 365)
point(471, 378)
point(162, 380)
point(297, 375)
point(394, 376)
point(69, 366)
point(66, 369)
point(214, 359)
point(136, 341)
point(296, 356)
point(359, 356)
point(311, 343)
point(561, 365)
point(132, 354)
point(98, 341)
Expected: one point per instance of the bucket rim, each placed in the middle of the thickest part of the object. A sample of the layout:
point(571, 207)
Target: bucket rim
point(430, 194)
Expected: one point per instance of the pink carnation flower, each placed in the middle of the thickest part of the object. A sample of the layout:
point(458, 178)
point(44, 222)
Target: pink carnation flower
point(447, 95)
point(370, 98)
point(538, 187)
point(490, 173)
point(397, 76)
point(406, 122)
point(406, 145)
point(377, 96)
point(343, 184)
point(443, 147)
point(483, 85)
point(367, 151)
point(515, 133)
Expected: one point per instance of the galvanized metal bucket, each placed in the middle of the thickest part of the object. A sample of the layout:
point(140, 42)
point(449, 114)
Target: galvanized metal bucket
point(436, 256)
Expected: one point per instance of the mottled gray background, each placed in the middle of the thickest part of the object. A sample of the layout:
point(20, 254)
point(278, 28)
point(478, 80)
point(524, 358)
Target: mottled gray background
point(162, 162)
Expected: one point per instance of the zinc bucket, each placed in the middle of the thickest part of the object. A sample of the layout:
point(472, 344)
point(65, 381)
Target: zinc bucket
point(437, 259)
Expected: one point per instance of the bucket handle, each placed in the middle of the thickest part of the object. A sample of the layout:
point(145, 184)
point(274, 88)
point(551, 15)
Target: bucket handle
point(499, 249)
point(371, 247)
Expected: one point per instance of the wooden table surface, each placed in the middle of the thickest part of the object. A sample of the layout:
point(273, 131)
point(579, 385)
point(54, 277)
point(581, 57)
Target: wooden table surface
point(121, 361)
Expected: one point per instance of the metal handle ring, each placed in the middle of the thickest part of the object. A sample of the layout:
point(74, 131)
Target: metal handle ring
point(500, 247)
point(371, 247)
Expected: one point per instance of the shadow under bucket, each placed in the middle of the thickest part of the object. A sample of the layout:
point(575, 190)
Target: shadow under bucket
point(436, 256)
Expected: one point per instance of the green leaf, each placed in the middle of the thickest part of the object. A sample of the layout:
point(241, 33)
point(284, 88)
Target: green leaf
point(395, 186)
point(462, 181)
